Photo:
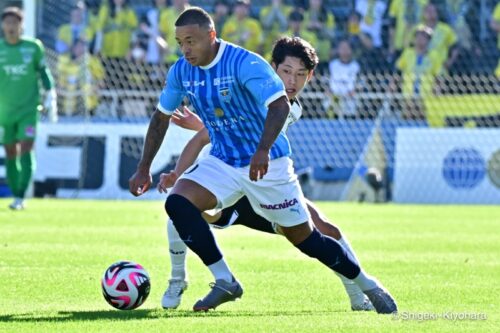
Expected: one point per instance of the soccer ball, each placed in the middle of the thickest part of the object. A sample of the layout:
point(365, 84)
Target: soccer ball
point(125, 285)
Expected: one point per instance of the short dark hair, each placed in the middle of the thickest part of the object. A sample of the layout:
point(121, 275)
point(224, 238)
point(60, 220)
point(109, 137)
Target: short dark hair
point(195, 15)
point(296, 16)
point(295, 47)
point(13, 11)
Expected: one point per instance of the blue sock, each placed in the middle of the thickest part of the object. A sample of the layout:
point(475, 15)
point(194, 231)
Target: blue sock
point(329, 252)
point(192, 228)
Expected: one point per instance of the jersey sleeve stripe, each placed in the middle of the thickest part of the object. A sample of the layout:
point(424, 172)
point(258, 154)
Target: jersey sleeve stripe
point(274, 97)
point(163, 110)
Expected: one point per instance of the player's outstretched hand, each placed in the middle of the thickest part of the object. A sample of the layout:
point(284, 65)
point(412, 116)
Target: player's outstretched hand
point(140, 182)
point(259, 164)
point(187, 119)
point(167, 180)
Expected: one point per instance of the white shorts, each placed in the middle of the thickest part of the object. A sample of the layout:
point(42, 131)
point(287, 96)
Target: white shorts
point(277, 197)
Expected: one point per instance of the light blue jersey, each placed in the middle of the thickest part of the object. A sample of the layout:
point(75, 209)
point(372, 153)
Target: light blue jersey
point(231, 95)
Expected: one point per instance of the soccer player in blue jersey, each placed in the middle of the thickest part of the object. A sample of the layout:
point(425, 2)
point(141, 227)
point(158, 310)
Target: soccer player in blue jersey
point(294, 60)
point(243, 104)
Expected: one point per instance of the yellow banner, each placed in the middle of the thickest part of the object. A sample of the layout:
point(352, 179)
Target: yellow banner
point(438, 108)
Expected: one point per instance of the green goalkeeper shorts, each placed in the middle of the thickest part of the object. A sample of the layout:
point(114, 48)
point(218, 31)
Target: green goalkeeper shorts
point(20, 130)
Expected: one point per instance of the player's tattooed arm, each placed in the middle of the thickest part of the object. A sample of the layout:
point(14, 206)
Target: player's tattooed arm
point(275, 120)
point(141, 180)
point(154, 138)
point(276, 117)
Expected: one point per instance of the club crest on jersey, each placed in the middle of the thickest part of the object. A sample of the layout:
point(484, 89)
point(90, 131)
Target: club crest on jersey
point(219, 112)
point(26, 54)
point(225, 94)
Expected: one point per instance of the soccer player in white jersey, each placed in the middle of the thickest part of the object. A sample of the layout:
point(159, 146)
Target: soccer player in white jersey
point(294, 60)
point(243, 104)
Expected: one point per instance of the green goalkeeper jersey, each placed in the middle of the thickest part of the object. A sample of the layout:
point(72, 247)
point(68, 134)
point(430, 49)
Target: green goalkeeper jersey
point(22, 67)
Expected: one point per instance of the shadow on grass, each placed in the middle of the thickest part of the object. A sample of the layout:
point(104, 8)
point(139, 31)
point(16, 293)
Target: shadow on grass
point(64, 316)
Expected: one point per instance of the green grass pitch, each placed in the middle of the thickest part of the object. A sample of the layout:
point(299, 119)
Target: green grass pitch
point(438, 261)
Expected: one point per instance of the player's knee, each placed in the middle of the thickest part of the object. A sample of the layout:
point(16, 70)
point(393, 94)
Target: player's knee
point(297, 234)
point(10, 150)
point(26, 146)
point(173, 204)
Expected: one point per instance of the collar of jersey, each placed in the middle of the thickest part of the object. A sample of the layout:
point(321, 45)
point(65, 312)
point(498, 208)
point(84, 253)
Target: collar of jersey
point(214, 62)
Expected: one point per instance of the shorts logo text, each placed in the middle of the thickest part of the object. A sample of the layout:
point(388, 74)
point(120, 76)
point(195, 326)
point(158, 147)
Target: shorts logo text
point(283, 205)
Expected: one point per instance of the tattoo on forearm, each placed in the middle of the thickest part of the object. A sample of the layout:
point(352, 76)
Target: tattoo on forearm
point(275, 120)
point(156, 132)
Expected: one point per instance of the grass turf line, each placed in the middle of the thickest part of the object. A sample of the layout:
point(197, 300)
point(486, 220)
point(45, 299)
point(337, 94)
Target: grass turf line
point(436, 260)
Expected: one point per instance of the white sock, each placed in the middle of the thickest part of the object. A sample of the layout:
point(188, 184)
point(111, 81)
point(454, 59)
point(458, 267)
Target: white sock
point(356, 295)
point(345, 243)
point(354, 292)
point(178, 251)
point(365, 281)
point(220, 270)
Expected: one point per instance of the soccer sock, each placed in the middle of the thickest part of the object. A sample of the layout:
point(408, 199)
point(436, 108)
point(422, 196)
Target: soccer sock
point(194, 231)
point(330, 253)
point(12, 169)
point(355, 293)
point(26, 172)
point(177, 250)
point(221, 271)
point(345, 243)
point(365, 281)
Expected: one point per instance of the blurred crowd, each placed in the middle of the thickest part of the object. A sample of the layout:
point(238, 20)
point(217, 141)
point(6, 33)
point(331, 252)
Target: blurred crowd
point(103, 43)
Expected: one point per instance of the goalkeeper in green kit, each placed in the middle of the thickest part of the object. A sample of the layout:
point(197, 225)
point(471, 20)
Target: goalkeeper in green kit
point(22, 68)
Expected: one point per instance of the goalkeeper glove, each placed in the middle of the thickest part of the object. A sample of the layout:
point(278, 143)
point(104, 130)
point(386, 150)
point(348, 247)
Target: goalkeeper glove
point(50, 104)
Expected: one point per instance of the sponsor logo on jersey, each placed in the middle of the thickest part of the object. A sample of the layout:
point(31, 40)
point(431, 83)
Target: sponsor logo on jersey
point(223, 80)
point(193, 83)
point(225, 123)
point(21, 69)
point(283, 205)
point(219, 112)
point(29, 131)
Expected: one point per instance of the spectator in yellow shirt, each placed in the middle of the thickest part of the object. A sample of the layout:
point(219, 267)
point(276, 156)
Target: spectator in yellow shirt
point(297, 28)
point(456, 13)
point(419, 67)
point(241, 29)
point(443, 37)
point(274, 19)
point(167, 28)
point(220, 14)
point(82, 25)
point(117, 21)
point(495, 26)
point(406, 14)
point(319, 20)
point(79, 77)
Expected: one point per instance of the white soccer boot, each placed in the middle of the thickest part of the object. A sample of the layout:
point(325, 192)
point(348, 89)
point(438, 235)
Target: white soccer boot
point(173, 295)
point(17, 204)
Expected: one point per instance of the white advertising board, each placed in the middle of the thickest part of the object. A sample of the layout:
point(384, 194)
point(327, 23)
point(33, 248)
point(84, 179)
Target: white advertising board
point(447, 165)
